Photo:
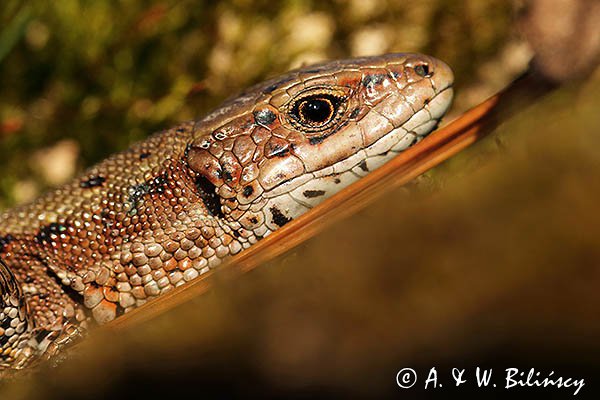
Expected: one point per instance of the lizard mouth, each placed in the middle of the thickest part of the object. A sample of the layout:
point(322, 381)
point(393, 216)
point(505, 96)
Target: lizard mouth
point(297, 195)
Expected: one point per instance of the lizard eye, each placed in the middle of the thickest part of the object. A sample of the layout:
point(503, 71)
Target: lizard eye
point(316, 112)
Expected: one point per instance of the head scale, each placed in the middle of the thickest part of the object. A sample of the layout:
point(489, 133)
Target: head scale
point(285, 145)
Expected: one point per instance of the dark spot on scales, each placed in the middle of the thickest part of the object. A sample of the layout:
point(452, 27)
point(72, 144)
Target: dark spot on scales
point(41, 335)
point(48, 231)
point(208, 193)
point(374, 79)
point(137, 191)
point(143, 156)
point(310, 194)
point(5, 240)
point(363, 166)
point(316, 139)
point(92, 182)
point(227, 176)
point(337, 180)
point(154, 185)
point(248, 190)
point(186, 152)
point(278, 217)
point(270, 88)
point(75, 296)
point(264, 117)
point(277, 151)
point(354, 113)
point(6, 323)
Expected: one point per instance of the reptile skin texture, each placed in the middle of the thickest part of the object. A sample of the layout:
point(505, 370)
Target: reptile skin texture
point(172, 207)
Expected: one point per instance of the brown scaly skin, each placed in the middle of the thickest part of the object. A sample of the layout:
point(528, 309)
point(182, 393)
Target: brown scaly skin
point(173, 206)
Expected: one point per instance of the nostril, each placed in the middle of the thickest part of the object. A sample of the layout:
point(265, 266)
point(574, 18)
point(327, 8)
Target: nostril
point(423, 70)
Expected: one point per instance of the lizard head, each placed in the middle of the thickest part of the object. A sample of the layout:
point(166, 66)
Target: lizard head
point(285, 145)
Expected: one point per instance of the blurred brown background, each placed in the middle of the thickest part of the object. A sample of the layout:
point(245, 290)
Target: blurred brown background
point(491, 260)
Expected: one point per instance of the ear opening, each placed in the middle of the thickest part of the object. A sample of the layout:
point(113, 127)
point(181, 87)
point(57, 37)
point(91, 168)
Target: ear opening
point(208, 193)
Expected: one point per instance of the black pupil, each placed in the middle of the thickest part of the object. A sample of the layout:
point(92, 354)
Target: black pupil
point(316, 110)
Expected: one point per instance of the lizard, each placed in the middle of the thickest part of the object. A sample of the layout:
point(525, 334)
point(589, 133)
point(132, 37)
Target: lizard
point(172, 207)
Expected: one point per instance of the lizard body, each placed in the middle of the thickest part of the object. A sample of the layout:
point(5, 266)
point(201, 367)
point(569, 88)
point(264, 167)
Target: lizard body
point(172, 207)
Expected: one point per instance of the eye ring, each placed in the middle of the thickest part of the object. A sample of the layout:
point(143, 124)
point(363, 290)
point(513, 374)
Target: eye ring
point(316, 111)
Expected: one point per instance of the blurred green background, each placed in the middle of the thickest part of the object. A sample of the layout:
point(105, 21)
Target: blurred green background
point(80, 80)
